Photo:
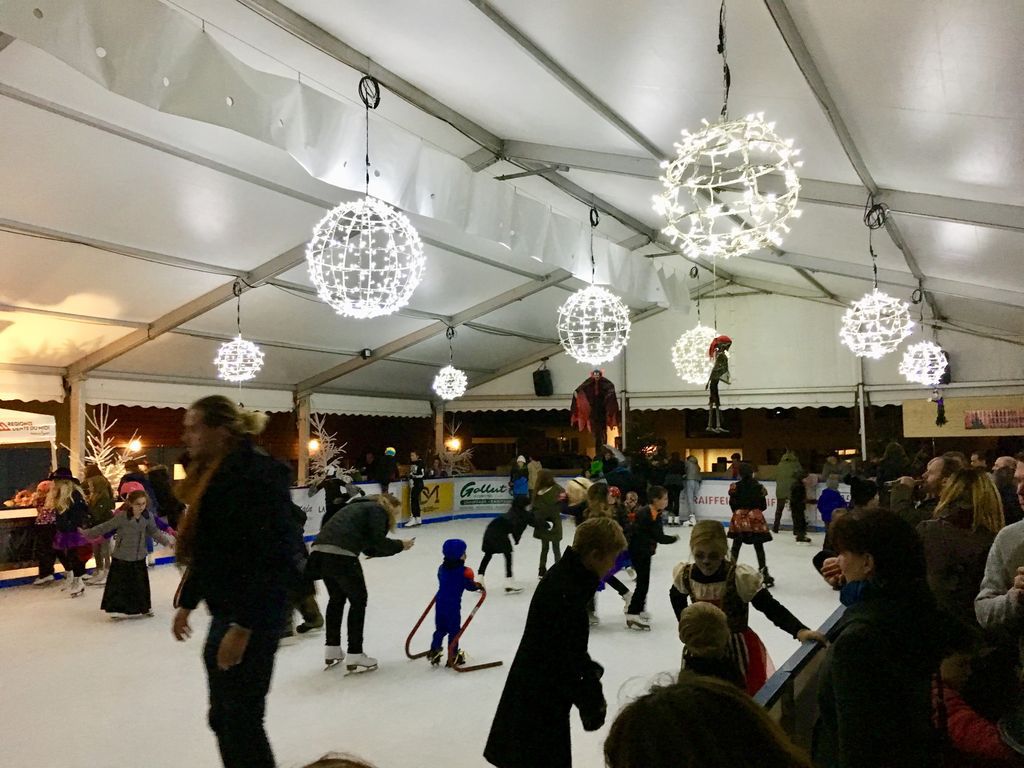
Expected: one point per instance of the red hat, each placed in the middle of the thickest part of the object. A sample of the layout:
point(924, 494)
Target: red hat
point(131, 487)
point(614, 491)
point(715, 342)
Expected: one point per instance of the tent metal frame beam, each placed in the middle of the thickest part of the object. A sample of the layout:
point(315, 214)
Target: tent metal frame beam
point(812, 75)
point(303, 29)
point(404, 342)
point(814, 191)
point(192, 309)
point(5, 40)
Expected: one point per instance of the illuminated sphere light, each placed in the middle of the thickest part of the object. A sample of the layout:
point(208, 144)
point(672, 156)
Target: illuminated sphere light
point(238, 360)
point(593, 325)
point(450, 383)
point(721, 172)
point(365, 259)
point(874, 326)
point(690, 354)
point(923, 363)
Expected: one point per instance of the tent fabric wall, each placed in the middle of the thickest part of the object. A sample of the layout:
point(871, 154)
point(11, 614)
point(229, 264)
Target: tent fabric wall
point(150, 394)
point(15, 385)
point(357, 405)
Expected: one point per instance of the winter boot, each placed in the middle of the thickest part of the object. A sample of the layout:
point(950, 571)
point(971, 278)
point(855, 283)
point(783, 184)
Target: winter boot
point(311, 616)
point(434, 657)
point(511, 588)
point(768, 580)
point(333, 655)
point(360, 662)
point(636, 622)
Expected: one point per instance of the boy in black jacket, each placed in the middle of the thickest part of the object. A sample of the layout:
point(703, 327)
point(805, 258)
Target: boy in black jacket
point(645, 534)
point(552, 670)
point(496, 541)
point(798, 507)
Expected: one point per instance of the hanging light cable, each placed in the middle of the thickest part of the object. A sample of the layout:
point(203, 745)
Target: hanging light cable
point(593, 324)
point(924, 362)
point(690, 352)
point(717, 198)
point(875, 325)
point(366, 257)
point(238, 360)
point(450, 382)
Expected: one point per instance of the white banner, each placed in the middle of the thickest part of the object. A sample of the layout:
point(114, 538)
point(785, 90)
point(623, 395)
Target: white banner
point(19, 427)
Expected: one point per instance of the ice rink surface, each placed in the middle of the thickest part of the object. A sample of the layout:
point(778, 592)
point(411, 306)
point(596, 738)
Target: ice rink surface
point(80, 690)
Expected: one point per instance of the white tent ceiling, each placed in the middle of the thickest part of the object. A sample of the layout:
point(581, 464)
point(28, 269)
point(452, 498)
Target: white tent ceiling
point(115, 216)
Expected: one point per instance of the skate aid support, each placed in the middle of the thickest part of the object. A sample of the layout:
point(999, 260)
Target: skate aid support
point(455, 641)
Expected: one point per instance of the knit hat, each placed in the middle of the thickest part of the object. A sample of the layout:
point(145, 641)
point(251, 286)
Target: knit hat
point(704, 630)
point(614, 491)
point(131, 487)
point(389, 451)
point(520, 459)
point(453, 549)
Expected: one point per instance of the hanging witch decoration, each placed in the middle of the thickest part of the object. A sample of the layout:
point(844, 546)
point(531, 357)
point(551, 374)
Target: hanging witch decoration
point(719, 350)
point(595, 407)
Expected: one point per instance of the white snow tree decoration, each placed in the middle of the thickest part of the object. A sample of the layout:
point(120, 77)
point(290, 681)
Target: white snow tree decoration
point(690, 354)
point(924, 363)
point(455, 462)
point(100, 448)
point(327, 451)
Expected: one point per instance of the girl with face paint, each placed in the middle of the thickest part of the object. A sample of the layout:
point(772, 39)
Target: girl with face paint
point(714, 578)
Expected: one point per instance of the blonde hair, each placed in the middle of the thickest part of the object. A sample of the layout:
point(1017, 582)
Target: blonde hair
point(711, 534)
point(704, 630)
point(597, 501)
point(577, 490)
point(975, 488)
point(99, 488)
point(598, 534)
point(219, 411)
point(335, 760)
point(58, 498)
point(391, 505)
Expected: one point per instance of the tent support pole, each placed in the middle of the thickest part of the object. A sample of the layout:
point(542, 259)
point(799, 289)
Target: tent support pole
point(76, 404)
point(861, 394)
point(302, 413)
point(438, 428)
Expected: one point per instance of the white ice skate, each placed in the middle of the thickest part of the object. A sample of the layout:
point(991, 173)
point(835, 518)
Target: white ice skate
point(636, 622)
point(115, 616)
point(691, 521)
point(77, 587)
point(631, 573)
point(511, 588)
point(43, 580)
point(412, 522)
point(98, 579)
point(333, 655)
point(627, 599)
point(360, 662)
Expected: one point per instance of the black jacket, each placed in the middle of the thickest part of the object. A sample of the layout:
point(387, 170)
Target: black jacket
point(552, 672)
point(646, 532)
point(496, 535)
point(360, 527)
point(874, 693)
point(246, 542)
point(747, 494)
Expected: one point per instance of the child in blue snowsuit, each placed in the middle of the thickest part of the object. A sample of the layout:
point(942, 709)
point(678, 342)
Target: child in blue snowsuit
point(453, 578)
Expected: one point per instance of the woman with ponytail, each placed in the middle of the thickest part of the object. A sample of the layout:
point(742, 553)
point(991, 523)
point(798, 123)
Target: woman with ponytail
point(239, 544)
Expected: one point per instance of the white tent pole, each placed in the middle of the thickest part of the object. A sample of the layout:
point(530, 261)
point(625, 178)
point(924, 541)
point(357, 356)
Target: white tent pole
point(861, 394)
point(53, 455)
point(302, 406)
point(76, 403)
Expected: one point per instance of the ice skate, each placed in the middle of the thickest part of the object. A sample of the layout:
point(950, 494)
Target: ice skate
point(691, 520)
point(594, 620)
point(65, 583)
point(333, 655)
point(511, 588)
point(768, 580)
point(460, 658)
point(631, 573)
point(434, 657)
point(310, 626)
point(77, 587)
point(627, 598)
point(311, 617)
point(360, 662)
point(803, 540)
point(98, 579)
point(115, 616)
point(636, 622)
point(43, 580)
point(412, 522)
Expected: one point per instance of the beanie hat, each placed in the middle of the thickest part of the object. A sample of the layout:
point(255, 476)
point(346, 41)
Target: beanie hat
point(389, 451)
point(704, 629)
point(453, 549)
point(520, 459)
point(130, 487)
point(615, 491)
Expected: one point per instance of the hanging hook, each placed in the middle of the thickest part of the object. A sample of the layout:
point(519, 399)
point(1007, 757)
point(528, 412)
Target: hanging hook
point(450, 335)
point(236, 288)
point(594, 219)
point(726, 73)
point(369, 94)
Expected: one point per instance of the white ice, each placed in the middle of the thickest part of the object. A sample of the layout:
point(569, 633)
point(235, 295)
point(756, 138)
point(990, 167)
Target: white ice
point(77, 689)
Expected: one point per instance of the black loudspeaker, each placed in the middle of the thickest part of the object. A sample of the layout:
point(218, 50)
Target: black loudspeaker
point(542, 386)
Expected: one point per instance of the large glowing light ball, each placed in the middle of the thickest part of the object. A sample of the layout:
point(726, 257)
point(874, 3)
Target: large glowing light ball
point(450, 383)
point(365, 259)
point(721, 174)
point(690, 354)
point(924, 363)
point(593, 325)
point(877, 324)
point(238, 360)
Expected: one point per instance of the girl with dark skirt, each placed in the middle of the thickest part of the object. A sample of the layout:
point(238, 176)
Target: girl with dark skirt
point(748, 500)
point(126, 594)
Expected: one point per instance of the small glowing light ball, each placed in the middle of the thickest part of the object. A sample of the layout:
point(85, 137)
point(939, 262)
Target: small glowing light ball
point(365, 259)
point(924, 363)
point(238, 360)
point(690, 354)
point(593, 325)
point(450, 383)
point(732, 170)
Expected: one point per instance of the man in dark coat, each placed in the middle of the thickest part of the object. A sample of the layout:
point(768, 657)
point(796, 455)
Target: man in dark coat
point(552, 670)
point(595, 407)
